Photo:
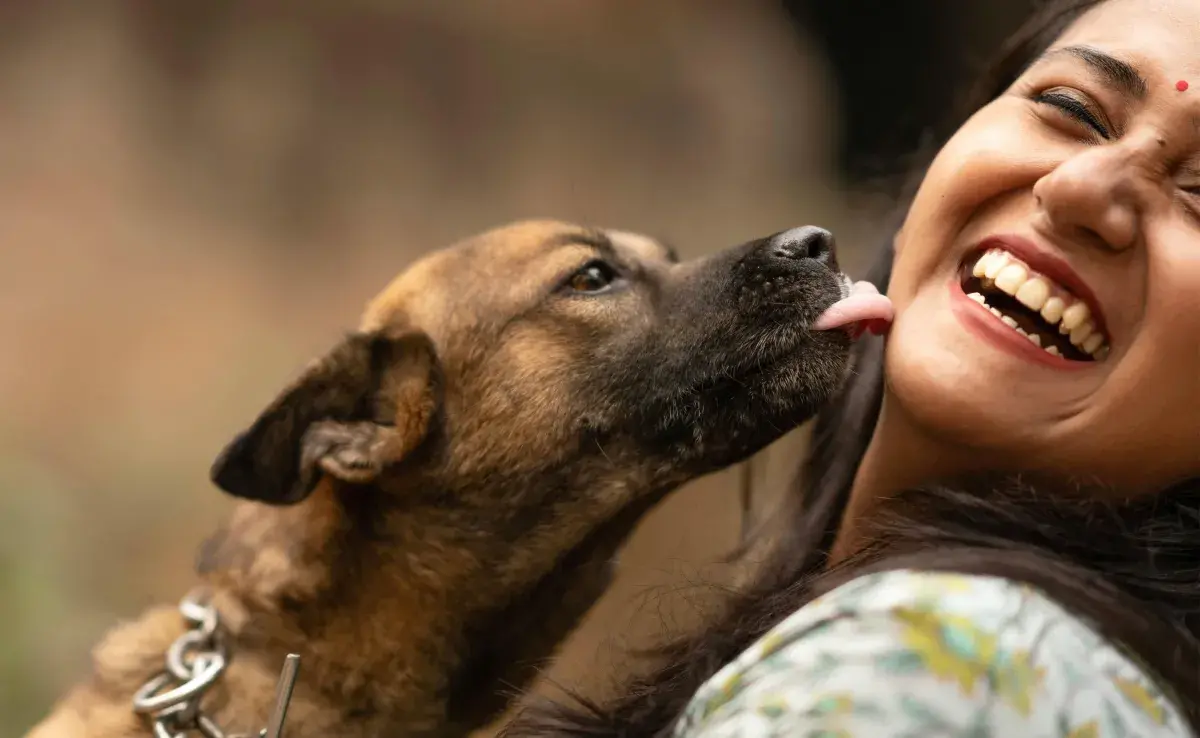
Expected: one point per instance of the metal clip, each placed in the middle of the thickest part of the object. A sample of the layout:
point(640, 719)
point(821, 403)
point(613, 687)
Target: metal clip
point(194, 661)
point(283, 696)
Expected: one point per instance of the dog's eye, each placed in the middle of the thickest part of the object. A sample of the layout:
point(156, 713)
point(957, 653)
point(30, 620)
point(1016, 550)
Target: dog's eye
point(593, 277)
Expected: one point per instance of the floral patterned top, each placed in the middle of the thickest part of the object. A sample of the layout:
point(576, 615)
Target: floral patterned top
point(927, 655)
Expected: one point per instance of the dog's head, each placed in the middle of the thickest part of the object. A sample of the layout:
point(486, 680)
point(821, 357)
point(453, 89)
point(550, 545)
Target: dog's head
point(541, 349)
point(507, 410)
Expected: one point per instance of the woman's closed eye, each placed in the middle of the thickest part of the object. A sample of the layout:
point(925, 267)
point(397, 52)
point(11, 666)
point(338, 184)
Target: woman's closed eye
point(1075, 107)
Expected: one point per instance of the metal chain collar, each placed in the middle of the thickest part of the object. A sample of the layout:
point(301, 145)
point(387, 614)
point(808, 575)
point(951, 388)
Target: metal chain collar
point(194, 662)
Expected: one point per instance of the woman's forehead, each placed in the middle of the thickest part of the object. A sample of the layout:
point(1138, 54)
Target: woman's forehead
point(1160, 37)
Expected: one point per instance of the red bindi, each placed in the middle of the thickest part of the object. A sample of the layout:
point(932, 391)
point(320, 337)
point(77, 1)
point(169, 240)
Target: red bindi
point(1181, 85)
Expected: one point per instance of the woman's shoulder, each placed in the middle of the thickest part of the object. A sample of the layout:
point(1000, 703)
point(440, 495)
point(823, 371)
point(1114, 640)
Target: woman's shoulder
point(930, 654)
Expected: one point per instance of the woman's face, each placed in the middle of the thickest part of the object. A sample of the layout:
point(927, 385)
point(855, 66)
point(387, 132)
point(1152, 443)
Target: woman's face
point(1075, 345)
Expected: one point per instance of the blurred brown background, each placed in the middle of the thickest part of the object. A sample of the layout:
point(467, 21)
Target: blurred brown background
point(196, 196)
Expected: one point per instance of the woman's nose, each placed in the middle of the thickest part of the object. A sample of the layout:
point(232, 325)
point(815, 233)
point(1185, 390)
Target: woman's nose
point(1093, 196)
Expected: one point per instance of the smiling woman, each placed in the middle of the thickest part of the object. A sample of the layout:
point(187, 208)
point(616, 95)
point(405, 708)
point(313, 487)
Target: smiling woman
point(998, 530)
point(1086, 171)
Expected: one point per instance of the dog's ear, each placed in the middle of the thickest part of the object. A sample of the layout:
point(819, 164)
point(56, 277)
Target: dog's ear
point(364, 406)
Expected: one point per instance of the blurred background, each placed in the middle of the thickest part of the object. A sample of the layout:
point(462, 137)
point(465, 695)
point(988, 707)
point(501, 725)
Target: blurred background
point(197, 196)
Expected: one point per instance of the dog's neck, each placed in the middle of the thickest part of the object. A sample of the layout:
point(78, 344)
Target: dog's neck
point(385, 627)
point(376, 634)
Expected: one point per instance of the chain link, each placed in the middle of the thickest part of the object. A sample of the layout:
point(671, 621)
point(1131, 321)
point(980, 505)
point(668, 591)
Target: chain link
point(193, 663)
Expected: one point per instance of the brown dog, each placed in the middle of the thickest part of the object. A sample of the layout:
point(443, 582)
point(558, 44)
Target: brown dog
point(433, 505)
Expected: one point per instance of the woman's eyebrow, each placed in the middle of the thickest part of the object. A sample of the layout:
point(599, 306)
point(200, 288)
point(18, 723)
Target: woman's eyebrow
point(1119, 74)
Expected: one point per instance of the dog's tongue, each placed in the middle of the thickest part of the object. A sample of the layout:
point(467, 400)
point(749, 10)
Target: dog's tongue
point(865, 307)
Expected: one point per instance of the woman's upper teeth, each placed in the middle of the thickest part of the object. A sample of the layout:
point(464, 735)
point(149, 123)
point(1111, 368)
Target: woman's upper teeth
point(1053, 302)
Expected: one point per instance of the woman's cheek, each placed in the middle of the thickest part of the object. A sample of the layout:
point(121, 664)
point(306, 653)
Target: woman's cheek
point(998, 151)
point(1171, 321)
point(1173, 278)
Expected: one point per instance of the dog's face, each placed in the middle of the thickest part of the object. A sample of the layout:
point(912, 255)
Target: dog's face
point(543, 350)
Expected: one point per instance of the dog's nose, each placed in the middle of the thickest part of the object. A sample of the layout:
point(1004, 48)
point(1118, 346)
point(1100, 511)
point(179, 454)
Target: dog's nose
point(805, 242)
point(783, 264)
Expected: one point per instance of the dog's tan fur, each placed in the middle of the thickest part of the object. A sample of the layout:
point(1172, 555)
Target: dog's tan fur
point(436, 523)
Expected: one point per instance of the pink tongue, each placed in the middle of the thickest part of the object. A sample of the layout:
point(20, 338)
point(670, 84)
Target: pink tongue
point(869, 308)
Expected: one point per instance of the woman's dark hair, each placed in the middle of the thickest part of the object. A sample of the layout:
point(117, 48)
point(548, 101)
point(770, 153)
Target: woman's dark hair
point(1131, 569)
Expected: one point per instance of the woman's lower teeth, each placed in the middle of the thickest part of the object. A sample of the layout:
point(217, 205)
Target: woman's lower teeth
point(1092, 344)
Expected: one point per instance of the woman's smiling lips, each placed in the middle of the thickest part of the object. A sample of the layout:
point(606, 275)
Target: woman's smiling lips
point(1031, 302)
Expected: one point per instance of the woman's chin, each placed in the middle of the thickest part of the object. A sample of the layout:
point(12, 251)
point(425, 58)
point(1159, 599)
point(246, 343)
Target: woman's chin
point(953, 392)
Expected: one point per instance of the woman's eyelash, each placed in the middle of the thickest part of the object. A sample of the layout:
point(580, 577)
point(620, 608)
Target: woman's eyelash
point(1073, 108)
